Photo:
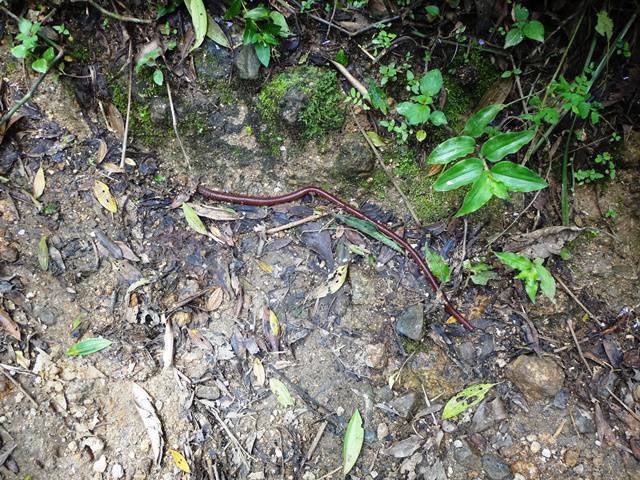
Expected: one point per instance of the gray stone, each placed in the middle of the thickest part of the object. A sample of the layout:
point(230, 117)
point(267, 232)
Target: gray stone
point(405, 404)
point(488, 414)
point(584, 421)
point(354, 157)
point(467, 352)
point(212, 62)
point(467, 456)
point(362, 287)
point(207, 392)
point(537, 378)
point(247, 63)
point(159, 110)
point(410, 322)
point(48, 317)
point(495, 467)
point(376, 355)
point(293, 101)
point(561, 400)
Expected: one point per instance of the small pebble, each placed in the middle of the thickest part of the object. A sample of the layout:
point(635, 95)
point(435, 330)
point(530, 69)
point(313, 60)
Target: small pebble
point(535, 447)
point(546, 453)
point(117, 472)
point(101, 465)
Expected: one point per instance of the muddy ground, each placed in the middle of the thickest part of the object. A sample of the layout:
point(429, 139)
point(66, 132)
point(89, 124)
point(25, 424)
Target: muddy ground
point(123, 276)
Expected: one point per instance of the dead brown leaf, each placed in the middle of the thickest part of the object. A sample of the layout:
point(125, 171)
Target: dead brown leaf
point(114, 118)
point(542, 243)
point(9, 325)
point(215, 299)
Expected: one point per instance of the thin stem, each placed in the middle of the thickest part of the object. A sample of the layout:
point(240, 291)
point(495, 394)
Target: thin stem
point(117, 16)
point(565, 177)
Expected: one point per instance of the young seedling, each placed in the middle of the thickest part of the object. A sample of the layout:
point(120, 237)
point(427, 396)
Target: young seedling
point(532, 273)
point(523, 28)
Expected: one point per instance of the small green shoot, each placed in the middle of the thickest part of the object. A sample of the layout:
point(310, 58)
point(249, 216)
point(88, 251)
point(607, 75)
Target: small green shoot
point(532, 273)
point(523, 28)
point(481, 273)
point(352, 443)
point(437, 265)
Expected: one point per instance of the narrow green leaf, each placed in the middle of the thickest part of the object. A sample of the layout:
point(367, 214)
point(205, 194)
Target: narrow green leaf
point(263, 51)
point(199, 19)
point(281, 392)
point(415, 113)
point(534, 30)
point(513, 38)
point(376, 139)
point(193, 219)
point(547, 282)
point(432, 10)
point(88, 346)
point(531, 287)
point(43, 253)
point(605, 25)
point(514, 260)
point(462, 173)
point(517, 178)
point(377, 96)
point(479, 194)
point(215, 33)
point(452, 149)
point(481, 272)
point(431, 82)
point(478, 122)
point(353, 440)
point(257, 13)
point(281, 22)
point(437, 265)
point(233, 10)
point(158, 77)
point(503, 144)
point(369, 229)
point(466, 399)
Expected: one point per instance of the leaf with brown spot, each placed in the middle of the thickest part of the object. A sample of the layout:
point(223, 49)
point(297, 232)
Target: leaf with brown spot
point(103, 194)
point(271, 328)
point(9, 325)
point(200, 340)
point(115, 123)
point(435, 169)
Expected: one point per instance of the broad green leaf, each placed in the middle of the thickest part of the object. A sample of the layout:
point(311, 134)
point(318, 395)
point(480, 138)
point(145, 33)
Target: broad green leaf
point(438, 118)
point(179, 460)
point(605, 25)
point(103, 194)
point(369, 229)
point(263, 51)
point(477, 123)
point(281, 392)
point(193, 220)
point(43, 253)
point(377, 96)
point(20, 51)
point(335, 282)
point(452, 149)
point(466, 399)
point(534, 30)
point(499, 189)
point(547, 282)
point(503, 144)
point(415, 113)
point(517, 178)
point(24, 26)
point(158, 77)
point(341, 58)
point(233, 10)
point(215, 33)
point(514, 260)
point(40, 65)
point(513, 38)
point(281, 22)
point(481, 272)
point(376, 139)
point(257, 13)
point(199, 19)
point(462, 173)
point(421, 135)
point(353, 440)
point(88, 346)
point(432, 10)
point(437, 265)
point(530, 284)
point(479, 194)
point(520, 13)
point(431, 82)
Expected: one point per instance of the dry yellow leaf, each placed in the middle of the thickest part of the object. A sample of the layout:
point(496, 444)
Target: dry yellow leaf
point(274, 323)
point(265, 267)
point(180, 461)
point(215, 299)
point(103, 194)
point(39, 183)
point(334, 283)
point(258, 372)
point(102, 152)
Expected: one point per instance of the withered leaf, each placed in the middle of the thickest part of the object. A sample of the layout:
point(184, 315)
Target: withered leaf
point(114, 119)
point(102, 151)
point(103, 194)
point(215, 299)
point(9, 325)
point(150, 420)
point(39, 183)
point(542, 243)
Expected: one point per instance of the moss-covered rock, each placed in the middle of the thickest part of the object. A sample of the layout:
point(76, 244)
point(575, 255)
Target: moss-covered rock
point(306, 99)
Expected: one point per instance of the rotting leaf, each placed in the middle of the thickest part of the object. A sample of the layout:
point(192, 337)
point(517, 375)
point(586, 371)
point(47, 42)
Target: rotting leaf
point(281, 392)
point(353, 440)
point(88, 346)
point(543, 242)
point(103, 194)
point(193, 220)
point(43, 253)
point(179, 460)
point(150, 420)
point(114, 119)
point(200, 341)
point(336, 280)
point(466, 399)
point(215, 213)
point(265, 267)
point(39, 183)
point(9, 325)
point(102, 151)
point(215, 299)
point(258, 372)
point(369, 229)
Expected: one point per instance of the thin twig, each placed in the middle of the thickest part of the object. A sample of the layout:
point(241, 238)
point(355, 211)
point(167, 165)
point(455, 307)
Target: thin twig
point(175, 125)
point(125, 137)
point(330, 473)
point(21, 388)
point(389, 173)
point(575, 299)
point(578, 347)
point(117, 16)
point(624, 405)
point(296, 223)
point(316, 441)
point(209, 405)
point(333, 14)
point(352, 80)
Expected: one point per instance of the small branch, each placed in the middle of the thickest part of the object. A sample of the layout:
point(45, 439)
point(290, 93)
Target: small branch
point(21, 388)
point(578, 347)
point(297, 223)
point(125, 137)
point(175, 124)
point(352, 80)
point(117, 16)
point(575, 299)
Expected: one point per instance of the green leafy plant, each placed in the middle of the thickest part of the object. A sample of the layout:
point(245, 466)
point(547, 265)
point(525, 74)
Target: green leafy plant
point(28, 38)
point(262, 27)
point(486, 182)
point(574, 96)
point(88, 346)
point(389, 73)
point(604, 159)
point(481, 273)
point(437, 265)
point(401, 129)
point(356, 98)
point(532, 273)
point(382, 40)
point(523, 28)
point(418, 110)
point(511, 73)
